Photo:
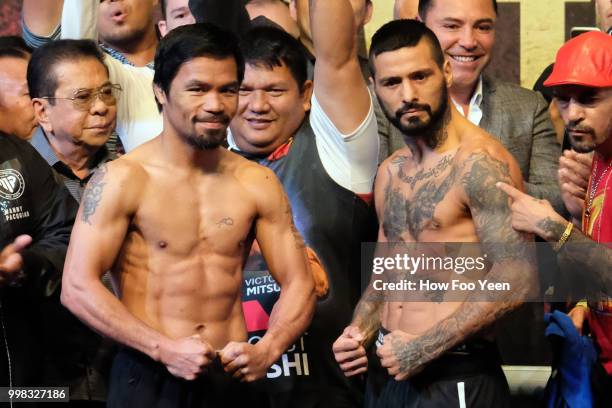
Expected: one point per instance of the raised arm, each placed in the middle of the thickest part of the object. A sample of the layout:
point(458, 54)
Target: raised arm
point(80, 19)
point(48, 20)
point(338, 83)
point(41, 20)
point(512, 256)
point(42, 17)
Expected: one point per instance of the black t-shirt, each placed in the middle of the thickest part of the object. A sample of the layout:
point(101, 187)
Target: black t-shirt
point(333, 221)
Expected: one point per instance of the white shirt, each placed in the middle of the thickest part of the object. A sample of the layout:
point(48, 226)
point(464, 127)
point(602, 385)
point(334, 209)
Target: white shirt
point(138, 119)
point(474, 108)
point(350, 160)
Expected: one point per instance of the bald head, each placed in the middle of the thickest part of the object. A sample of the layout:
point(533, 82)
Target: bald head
point(406, 9)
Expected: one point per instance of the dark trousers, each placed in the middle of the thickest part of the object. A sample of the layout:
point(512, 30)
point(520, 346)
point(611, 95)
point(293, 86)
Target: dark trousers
point(469, 376)
point(137, 381)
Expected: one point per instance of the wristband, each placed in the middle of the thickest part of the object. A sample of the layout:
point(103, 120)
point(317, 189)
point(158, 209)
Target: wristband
point(583, 303)
point(564, 237)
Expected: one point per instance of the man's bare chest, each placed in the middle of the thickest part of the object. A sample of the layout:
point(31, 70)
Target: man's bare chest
point(186, 217)
point(423, 199)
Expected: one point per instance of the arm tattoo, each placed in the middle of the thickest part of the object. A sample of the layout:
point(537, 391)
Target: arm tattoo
point(394, 217)
point(551, 228)
point(297, 237)
point(582, 252)
point(399, 159)
point(93, 194)
point(367, 314)
point(490, 208)
point(595, 259)
point(514, 263)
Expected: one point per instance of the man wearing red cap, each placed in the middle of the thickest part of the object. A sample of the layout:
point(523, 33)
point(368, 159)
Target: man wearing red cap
point(582, 84)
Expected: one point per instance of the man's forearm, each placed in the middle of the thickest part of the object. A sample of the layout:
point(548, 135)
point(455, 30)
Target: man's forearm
point(290, 316)
point(97, 307)
point(472, 317)
point(590, 256)
point(367, 317)
point(333, 32)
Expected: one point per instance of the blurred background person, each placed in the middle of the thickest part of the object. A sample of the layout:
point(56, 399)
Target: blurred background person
point(16, 113)
point(275, 11)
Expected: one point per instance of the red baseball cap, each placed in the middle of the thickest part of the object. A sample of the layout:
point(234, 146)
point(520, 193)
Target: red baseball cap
point(584, 60)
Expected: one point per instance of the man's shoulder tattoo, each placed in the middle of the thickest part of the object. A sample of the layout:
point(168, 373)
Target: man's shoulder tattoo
point(93, 194)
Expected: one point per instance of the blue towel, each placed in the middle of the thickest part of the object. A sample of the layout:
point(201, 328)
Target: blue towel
point(574, 356)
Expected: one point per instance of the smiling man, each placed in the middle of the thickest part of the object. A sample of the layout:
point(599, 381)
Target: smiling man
point(517, 117)
point(320, 139)
point(159, 217)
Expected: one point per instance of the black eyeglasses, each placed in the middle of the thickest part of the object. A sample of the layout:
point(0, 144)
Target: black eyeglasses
point(82, 99)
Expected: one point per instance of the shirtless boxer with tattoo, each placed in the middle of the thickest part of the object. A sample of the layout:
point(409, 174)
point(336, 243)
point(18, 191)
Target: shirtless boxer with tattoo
point(173, 220)
point(439, 188)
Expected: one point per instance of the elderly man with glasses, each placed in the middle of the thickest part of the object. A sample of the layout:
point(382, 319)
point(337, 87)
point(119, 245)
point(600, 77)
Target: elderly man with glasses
point(76, 108)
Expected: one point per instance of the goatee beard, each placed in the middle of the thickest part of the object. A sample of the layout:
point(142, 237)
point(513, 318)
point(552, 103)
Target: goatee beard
point(208, 142)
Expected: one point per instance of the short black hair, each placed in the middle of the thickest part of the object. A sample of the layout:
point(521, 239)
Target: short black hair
point(403, 33)
point(42, 78)
point(426, 5)
point(163, 4)
point(272, 47)
point(192, 41)
point(13, 46)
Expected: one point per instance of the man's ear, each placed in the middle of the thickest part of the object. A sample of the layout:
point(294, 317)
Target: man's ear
point(160, 95)
point(293, 10)
point(307, 90)
point(163, 29)
point(41, 113)
point(368, 12)
point(448, 73)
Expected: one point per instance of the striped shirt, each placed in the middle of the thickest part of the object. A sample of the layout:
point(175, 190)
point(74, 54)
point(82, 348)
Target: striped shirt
point(62, 172)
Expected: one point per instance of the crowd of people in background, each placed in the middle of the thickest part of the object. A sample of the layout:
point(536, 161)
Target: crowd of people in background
point(186, 185)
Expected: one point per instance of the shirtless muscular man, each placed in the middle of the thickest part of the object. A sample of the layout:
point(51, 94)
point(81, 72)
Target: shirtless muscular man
point(173, 221)
point(439, 188)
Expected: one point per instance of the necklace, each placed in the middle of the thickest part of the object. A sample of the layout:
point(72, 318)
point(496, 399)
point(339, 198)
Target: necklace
point(594, 186)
